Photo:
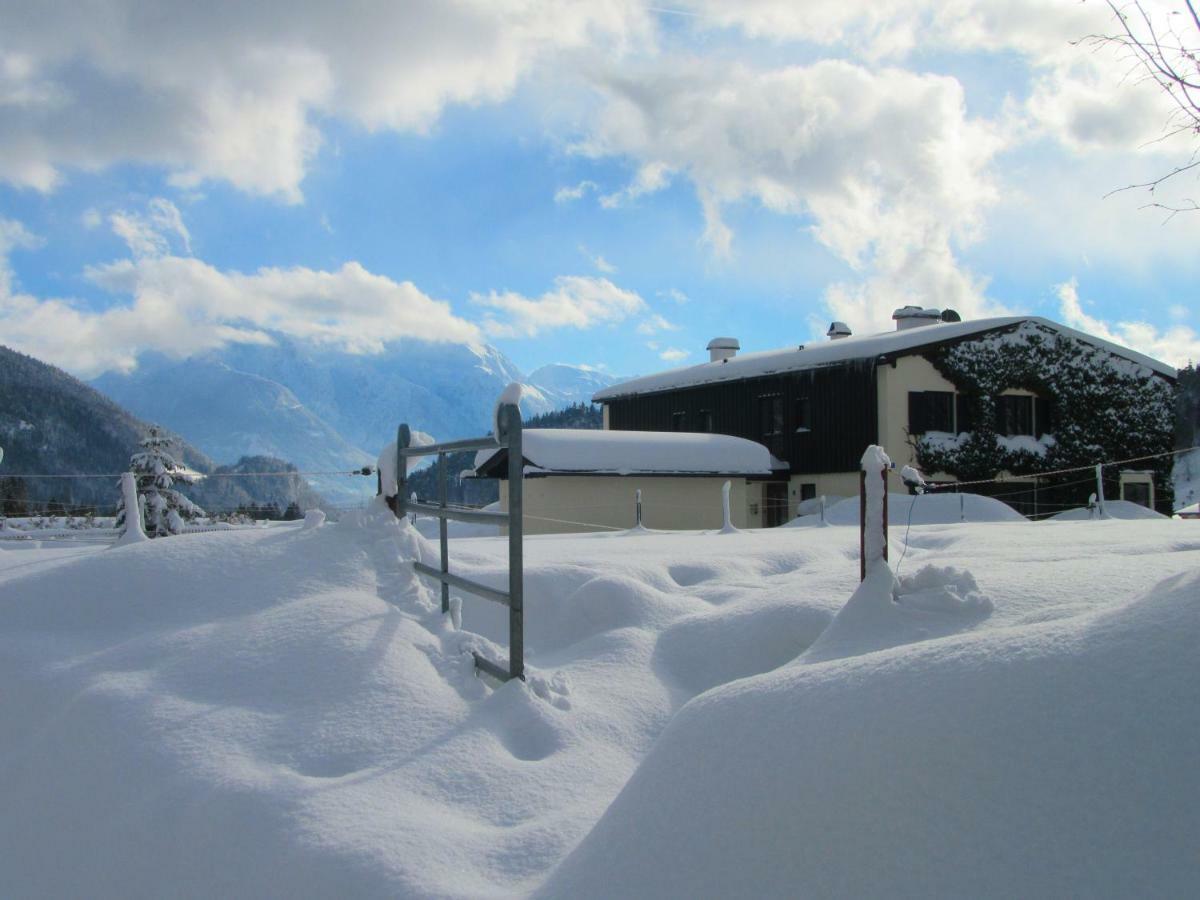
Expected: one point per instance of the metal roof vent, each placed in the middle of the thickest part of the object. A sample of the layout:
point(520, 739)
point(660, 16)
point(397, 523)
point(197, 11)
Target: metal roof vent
point(722, 348)
point(949, 315)
point(913, 317)
point(838, 330)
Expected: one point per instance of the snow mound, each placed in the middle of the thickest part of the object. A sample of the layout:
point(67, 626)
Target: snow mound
point(1052, 759)
point(926, 509)
point(887, 612)
point(1115, 509)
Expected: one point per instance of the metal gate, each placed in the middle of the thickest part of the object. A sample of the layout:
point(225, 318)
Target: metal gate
point(509, 438)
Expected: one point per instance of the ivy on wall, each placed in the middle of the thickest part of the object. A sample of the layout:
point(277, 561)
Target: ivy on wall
point(1106, 407)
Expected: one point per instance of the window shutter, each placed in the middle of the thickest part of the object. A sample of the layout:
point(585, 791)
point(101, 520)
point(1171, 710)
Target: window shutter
point(917, 417)
point(965, 412)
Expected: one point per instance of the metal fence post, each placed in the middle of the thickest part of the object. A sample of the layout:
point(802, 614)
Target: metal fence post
point(403, 439)
point(638, 501)
point(511, 417)
point(443, 531)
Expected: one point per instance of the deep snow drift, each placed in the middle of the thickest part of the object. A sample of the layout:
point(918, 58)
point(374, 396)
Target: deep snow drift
point(1054, 760)
point(284, 711)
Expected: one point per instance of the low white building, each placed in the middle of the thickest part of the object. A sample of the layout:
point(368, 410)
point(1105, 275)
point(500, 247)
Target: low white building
point(587, 480)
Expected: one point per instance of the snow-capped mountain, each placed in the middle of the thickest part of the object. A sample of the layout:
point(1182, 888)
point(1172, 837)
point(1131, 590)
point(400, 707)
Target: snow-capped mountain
point(229, 413)
point(324, 410)
point(564, 384)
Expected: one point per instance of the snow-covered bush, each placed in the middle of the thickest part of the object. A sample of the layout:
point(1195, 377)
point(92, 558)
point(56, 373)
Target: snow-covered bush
point(164, 511)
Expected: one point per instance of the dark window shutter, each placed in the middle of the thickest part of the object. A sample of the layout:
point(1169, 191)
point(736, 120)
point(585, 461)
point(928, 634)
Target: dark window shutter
point(965, 412)
point(917, 412)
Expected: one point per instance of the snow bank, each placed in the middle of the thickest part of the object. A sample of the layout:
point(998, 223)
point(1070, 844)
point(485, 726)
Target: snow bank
point(1050, 760)
point(636, 452)
point(1114, 509)
point(885, 612)
point(925, 509)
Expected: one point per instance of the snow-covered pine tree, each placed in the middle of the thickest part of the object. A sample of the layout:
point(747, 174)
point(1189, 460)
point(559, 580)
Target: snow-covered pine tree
point(164, 510)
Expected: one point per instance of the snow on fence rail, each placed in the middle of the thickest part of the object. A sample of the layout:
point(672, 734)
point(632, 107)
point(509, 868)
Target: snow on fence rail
point(508, 436)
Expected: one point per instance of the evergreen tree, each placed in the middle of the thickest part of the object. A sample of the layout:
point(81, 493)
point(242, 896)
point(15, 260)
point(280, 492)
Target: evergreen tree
point(164, 510)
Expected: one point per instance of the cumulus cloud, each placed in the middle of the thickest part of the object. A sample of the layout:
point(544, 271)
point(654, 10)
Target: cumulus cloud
point(234, 91)
point(182, 306)
point(575, 302)
point(1176, 345)
point(673, 354)
point(885, 164)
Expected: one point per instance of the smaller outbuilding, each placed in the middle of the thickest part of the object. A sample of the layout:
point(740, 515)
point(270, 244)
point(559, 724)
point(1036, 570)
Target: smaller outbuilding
point(587, 480)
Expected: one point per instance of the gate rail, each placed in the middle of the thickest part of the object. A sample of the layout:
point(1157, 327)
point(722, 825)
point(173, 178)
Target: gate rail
point(509, 438)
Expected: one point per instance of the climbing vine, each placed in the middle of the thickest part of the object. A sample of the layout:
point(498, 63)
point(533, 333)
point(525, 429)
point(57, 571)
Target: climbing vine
point(1105, 407)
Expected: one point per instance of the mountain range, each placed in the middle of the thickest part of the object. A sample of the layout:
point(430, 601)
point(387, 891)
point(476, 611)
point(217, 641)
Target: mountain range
point(53, 424)
point(327, 410)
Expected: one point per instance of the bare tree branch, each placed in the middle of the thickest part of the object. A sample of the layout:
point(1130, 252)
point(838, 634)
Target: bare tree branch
point(1172, 62)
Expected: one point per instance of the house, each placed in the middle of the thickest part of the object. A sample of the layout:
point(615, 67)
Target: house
point(588, 480)
point(962, 400)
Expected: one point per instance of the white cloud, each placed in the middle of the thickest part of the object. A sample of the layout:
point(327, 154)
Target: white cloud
point(599, 262)
point(150, 233)
point(673, 354)
point(13, 235)
point(575, 302)
point(651, 178)
point(675, 295)
point(567, 194)
point(655, 323)
point(91, 218)
point(234, 92)
point(885, 163)
point(182, 306)
point(1177, 344)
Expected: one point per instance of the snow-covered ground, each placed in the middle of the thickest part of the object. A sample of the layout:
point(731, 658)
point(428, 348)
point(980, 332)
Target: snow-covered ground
point(284, 712)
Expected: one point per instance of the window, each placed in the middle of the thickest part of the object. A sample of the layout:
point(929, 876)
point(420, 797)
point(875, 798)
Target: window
point(930, 411)
point(678, 421)
point(704, 421)
point(803, 414)
point(807, 492)
point(770, 415)
point(1014, 415)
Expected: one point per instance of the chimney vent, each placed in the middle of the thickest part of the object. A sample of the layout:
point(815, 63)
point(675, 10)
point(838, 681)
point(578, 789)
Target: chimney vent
point(949, 315)
point(838, 330)
point(913, 317)
point(722, 348)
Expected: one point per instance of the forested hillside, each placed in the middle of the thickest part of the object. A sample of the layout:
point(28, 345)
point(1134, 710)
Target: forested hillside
point(54, 424)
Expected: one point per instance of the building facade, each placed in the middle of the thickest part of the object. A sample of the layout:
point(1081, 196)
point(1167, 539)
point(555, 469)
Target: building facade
point(987, 400)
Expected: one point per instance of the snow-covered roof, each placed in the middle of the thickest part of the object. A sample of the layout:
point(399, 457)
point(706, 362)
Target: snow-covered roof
point(826, 353)
point(568, 450)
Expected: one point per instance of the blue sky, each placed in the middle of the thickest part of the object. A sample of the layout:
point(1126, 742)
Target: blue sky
point(607, 184)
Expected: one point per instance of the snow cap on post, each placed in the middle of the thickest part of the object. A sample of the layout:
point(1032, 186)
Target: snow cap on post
point(510, 395)
point(386, 463)
point(133, 533)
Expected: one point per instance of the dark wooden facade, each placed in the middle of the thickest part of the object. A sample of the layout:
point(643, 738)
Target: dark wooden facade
point(816, 420)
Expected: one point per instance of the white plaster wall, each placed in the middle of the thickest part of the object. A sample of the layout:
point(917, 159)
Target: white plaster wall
point(670, 504)
point(912, 373)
